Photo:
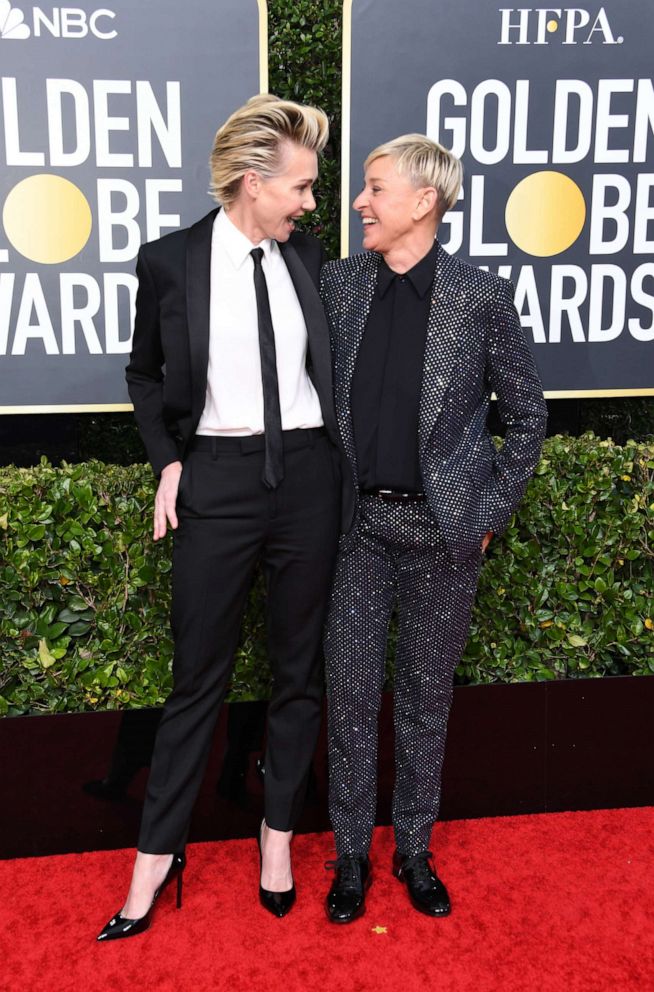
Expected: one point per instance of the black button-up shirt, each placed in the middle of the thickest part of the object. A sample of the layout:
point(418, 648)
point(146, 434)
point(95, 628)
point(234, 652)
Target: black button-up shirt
point(388, 377)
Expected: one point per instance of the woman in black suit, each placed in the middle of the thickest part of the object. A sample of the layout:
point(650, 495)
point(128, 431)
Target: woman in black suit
point(230, 376)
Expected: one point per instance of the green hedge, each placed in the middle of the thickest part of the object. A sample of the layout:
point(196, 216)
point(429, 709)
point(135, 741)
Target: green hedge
point(304, 63)
point(566, 592)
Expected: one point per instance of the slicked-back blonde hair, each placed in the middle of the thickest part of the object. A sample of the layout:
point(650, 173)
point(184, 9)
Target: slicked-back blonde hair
point(424, 163)
point(253, 138)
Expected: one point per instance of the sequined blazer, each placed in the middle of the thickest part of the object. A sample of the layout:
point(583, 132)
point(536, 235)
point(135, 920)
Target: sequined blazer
point(474, 347)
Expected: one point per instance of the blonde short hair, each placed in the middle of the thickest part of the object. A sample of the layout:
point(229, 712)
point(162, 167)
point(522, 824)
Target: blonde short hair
point(424, 163)
point(253, 138)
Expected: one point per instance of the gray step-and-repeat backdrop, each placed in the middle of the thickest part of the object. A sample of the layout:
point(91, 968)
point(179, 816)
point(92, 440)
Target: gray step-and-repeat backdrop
point(107, 115)
point(552, 113)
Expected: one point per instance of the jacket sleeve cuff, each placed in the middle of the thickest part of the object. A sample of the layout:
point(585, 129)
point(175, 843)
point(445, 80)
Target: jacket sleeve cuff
point(165, 453)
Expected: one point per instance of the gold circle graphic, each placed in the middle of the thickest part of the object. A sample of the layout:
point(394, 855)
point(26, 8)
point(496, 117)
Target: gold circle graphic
point(552, 26)
point(545, 213)
point(47, 219)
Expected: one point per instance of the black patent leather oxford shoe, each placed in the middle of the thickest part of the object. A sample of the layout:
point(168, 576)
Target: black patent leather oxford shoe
point(426, 891)
point(346, 899)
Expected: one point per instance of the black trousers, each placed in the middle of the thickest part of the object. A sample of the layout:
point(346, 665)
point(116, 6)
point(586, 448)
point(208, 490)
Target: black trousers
point(228, 521)
point(397, 556)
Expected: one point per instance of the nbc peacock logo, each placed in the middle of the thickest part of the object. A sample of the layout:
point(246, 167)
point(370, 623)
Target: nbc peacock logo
point(71, 23)
point(12, 23)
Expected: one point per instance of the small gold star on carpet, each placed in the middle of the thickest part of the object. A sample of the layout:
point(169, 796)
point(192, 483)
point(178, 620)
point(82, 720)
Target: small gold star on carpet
point(379, 929)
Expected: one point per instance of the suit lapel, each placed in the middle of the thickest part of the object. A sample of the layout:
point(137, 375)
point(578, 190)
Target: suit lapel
point(357, 303)
point(198, 289)
point(317, 331)
point(442, 342)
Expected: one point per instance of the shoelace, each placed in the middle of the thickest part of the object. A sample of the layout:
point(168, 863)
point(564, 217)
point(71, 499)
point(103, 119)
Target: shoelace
point(420, 867)
point(349, 871)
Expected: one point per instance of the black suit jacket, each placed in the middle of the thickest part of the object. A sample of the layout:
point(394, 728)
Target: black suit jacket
point(474, 346)
point(167, 372)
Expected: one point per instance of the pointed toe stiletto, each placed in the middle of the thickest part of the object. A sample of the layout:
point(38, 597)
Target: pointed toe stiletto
point(277, 903)
point(120, 926)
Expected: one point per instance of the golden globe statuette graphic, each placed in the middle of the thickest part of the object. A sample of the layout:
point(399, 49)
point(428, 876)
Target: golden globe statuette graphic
point(47, 219)
point(545, 213)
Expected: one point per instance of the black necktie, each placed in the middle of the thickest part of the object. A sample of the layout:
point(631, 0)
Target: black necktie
point(273, 469)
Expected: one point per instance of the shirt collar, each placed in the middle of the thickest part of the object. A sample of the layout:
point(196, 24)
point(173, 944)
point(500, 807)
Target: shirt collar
point(421, 276)
point(236, 245)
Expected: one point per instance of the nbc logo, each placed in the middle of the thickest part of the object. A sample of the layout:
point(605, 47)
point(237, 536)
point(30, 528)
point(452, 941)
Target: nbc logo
point(59, 22)
point(12, 22)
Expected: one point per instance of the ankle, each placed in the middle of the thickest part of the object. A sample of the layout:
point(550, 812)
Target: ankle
point(149, 866)
point(276, 836)
point(142, 857)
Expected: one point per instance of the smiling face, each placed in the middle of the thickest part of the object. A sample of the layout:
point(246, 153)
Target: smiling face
point(276, 203)
point(389, 206)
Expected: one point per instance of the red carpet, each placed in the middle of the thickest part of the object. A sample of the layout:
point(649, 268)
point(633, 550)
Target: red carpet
point(554, 903)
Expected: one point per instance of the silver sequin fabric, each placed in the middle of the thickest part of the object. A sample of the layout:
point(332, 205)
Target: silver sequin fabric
point(399, 557)
point(474, 346)
point(424, 557)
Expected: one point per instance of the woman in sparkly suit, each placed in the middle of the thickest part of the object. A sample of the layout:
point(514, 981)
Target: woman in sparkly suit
point(420, 340)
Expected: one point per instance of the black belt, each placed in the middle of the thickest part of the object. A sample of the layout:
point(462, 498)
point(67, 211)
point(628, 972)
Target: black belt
point(249, 443)
point(393, 496)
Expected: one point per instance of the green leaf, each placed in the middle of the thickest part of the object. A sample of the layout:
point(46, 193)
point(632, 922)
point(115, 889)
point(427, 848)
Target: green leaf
point(67, 616)
point(46, 658)
point(79, 628)
point(75, 603)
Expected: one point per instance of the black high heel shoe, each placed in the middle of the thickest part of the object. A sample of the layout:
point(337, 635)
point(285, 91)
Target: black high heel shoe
point(120, 926)
point(277, 903)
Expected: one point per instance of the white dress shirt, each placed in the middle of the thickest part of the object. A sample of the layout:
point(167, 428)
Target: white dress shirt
point(234, 401)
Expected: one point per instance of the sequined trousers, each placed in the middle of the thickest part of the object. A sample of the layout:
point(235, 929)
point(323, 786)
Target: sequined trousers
point(397, 556)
